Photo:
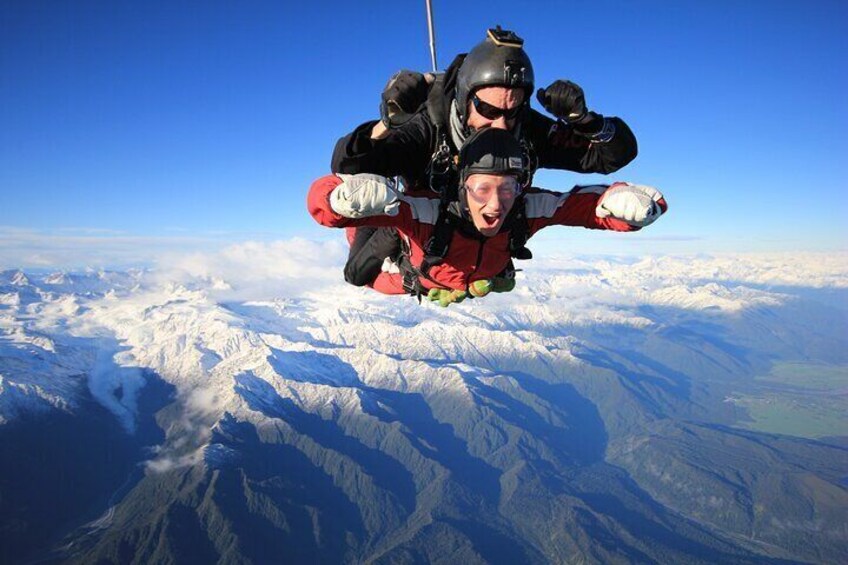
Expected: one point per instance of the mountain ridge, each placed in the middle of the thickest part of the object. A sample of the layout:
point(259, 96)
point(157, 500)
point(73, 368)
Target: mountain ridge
point(558, 423)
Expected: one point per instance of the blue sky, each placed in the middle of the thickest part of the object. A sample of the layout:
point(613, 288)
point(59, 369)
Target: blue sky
point(181, 122)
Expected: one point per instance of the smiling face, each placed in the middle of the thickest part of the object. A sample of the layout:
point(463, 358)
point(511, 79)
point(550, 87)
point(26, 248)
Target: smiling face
point(489, 199)
point(498, 97)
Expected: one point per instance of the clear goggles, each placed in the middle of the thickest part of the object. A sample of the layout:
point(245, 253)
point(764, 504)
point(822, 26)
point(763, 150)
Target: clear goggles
point(481, 190)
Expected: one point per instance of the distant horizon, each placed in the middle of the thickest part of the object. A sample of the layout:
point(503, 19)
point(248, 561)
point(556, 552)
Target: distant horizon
point(288, 269)
point(74, 254)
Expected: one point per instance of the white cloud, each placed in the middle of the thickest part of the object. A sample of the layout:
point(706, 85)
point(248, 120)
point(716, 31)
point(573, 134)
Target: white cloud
point(166, 463)
point(258, 270)
point(78, 248)
point(820, 269)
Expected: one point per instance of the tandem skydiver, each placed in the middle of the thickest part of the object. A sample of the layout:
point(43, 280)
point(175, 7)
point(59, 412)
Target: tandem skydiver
point(423, 126)
point(475, 234)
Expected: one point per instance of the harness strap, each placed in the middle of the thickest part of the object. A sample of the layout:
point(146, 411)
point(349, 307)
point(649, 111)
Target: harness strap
point(519, 233)
point(442, 169)
point(412, 275)
point(439, 243)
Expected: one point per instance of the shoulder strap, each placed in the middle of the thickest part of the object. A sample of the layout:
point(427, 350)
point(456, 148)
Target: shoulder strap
point(519, 233)
point(439, 168)
point(439, 243)
point(442, 168)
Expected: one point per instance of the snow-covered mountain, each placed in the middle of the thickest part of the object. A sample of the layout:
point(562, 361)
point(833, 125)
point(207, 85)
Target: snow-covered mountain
point(607, 410)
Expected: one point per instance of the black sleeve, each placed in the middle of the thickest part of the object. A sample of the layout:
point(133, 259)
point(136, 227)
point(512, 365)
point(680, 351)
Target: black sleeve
point(405, 151)
point(558, 147)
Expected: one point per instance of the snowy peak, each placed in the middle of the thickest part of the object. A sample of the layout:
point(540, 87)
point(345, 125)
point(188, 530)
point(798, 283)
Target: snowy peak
point(58, 278)
point(19, 279)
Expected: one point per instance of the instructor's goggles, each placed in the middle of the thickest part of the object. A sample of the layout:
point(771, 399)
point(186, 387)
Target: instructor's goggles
point(493, 112)
point(482, 190)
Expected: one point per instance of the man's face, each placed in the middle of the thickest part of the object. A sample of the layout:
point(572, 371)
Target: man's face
point(489, 199)
point(498, 97)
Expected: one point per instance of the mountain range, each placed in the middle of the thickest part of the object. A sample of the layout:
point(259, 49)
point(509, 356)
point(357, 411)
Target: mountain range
point(609, 410)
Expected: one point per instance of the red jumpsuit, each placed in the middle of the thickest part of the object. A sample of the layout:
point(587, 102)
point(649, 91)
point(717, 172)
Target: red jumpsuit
point(469, 258)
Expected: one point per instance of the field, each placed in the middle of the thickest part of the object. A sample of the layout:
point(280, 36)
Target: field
point(799, 399)
point(809, 376)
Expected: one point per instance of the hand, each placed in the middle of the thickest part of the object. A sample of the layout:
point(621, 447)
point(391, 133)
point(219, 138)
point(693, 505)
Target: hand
point(635, 204)
point(405, 92)
point(565, 100)
point(482, 287)
point(364, 195)
point(445, 296)
point(477, 289)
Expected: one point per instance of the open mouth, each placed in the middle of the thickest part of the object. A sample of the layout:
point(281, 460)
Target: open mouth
point(491, 220)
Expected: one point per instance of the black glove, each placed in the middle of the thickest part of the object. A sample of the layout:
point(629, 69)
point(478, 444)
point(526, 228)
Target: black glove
point(403, 95)
point(566, 101)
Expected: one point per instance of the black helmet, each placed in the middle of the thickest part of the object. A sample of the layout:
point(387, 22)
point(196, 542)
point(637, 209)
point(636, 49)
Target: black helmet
point(492, 151)
point(499, 60)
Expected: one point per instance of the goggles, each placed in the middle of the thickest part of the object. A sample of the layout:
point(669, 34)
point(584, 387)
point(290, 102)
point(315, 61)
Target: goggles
point(482, 190)
point(493, 112)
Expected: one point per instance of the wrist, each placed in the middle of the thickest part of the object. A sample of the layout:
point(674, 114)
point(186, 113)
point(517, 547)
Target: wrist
point(588, 124)
point(596, 129)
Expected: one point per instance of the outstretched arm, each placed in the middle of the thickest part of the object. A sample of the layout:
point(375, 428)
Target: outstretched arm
point(619, 207)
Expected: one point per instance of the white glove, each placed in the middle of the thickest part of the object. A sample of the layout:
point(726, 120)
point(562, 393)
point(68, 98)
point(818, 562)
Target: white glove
point(636, 204)
point(363, 195)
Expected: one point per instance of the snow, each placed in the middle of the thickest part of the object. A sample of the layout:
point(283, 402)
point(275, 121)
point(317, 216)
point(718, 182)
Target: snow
point(19, 279)
point(247, 330)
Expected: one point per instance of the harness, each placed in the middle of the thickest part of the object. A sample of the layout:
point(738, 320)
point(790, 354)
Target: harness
point(443, 178)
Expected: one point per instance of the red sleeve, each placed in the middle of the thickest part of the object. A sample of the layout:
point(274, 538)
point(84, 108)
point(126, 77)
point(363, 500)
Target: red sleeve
point(318, 204)
point(575, 208)
point(579, 210)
